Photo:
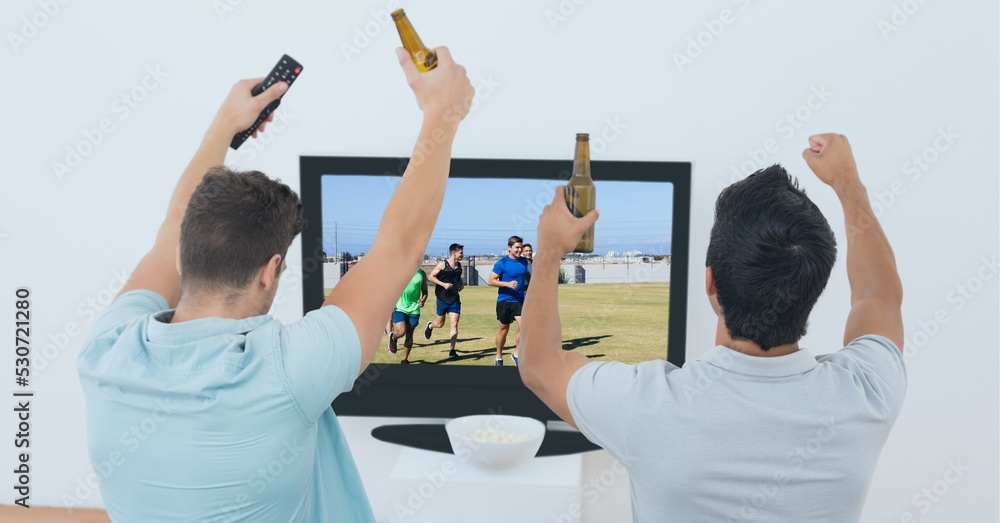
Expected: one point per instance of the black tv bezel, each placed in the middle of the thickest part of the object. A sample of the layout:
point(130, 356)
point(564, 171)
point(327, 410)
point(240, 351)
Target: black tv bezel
point(416, 391)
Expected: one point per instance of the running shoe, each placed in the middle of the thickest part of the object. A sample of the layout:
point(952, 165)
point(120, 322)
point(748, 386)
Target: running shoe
point(497, 363)
point(392, 343)
point(514, 357)
point(427, 331)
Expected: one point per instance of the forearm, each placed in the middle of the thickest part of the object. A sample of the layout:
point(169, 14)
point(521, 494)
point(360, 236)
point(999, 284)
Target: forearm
point(541, 330)
point(157, 269)
point(413, 210)
point(871, 264)
point(211, 152)
point(401, 241)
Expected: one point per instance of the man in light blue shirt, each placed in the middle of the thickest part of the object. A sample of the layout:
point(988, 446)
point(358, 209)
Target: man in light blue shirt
point(757, 429)
point(202, 408)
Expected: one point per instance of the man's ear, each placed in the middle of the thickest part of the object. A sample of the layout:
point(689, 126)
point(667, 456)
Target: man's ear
point(269, 273)
point(711, 291)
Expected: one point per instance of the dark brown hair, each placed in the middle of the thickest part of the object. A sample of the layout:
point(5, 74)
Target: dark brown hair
point(234, 223)
point(771, 252)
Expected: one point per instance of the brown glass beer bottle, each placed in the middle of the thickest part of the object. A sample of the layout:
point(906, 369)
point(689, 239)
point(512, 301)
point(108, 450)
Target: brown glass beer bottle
point(425, 58)
point(581, 195)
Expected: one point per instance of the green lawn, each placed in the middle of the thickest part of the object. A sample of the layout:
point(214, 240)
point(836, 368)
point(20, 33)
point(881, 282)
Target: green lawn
point(624, 322)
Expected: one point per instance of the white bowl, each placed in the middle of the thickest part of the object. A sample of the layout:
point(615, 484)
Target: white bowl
point(495, 441)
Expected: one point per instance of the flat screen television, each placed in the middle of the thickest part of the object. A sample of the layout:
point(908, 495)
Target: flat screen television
point(625, 301)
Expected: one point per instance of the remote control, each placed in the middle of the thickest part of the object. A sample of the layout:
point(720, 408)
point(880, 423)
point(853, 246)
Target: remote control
point(286, 70)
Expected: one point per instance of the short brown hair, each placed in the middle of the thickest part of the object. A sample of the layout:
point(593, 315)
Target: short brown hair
point(234, 223)
point(512, 240)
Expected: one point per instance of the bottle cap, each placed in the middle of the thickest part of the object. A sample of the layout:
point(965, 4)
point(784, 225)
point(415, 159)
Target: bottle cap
point(397, 14)
point(583, 137)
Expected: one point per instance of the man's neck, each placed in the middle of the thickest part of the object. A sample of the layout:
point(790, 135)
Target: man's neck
point(748, 347)
point(212, 307)
point(752, 349)
point(512, 256)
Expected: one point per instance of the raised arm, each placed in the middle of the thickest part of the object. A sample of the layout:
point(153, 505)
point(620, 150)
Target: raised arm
point(444, 94)
point(157, 271)
point(876, 290)
point(544, 366)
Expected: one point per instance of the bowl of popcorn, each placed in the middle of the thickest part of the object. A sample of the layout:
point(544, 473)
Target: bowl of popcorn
point(495, 441)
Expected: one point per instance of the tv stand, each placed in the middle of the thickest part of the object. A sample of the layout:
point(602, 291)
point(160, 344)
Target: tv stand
point(433, 437)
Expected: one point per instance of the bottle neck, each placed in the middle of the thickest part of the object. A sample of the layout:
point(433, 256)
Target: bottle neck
point(581, 160)
point(411, 41)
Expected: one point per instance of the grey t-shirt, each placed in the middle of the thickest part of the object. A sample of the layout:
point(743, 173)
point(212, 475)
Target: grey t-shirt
point(732, 437)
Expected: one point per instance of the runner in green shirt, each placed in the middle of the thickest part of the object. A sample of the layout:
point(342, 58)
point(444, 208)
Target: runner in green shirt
point(406, 315)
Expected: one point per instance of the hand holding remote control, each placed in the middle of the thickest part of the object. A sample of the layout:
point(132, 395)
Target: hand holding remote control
point(258, 99)
point(241, 109)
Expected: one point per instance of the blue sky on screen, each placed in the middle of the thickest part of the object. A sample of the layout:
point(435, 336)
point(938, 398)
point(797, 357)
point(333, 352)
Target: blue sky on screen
point(482, 213)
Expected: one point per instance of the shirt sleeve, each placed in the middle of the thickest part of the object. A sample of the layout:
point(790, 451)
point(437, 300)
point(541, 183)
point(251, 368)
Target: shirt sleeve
point(124, 309)
point(879, 368)
point(321, 356)
point(600, 398)
point(498, 268)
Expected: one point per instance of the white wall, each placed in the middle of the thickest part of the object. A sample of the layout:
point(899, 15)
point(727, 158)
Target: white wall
point(606, 66)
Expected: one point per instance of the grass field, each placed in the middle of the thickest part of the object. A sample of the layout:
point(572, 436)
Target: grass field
point(606, 321)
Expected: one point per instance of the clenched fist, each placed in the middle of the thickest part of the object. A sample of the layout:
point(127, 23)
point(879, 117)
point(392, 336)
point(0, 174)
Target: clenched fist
point(830, 157)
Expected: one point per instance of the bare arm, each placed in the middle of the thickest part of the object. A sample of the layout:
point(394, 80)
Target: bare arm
point(433, 275)
point(494, 281)
point(375, 283)
point(544, 366)
point(157, 271)
point(876, 290)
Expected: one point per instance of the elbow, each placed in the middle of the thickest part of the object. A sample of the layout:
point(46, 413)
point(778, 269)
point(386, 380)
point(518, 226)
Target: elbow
point(527, 367)
point(894, 289)
point(889, 293)
point(524, 366)
point(529, 377)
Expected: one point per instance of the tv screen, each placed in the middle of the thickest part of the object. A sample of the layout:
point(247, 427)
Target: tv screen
point(624, 301)
point(613, 300)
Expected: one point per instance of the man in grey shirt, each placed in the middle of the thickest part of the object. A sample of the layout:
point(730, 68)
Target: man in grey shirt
point(758, 428)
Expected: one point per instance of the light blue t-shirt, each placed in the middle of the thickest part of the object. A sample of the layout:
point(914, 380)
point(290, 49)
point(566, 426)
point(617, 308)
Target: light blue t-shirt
point(732, 437)
point(220, 420)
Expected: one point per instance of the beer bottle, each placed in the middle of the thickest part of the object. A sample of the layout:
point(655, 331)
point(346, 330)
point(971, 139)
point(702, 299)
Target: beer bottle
point(422, 56)
point(581, 195)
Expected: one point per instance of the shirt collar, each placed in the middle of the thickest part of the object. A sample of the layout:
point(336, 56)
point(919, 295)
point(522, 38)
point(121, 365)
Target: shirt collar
point(798, 362)
point(160, 330)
